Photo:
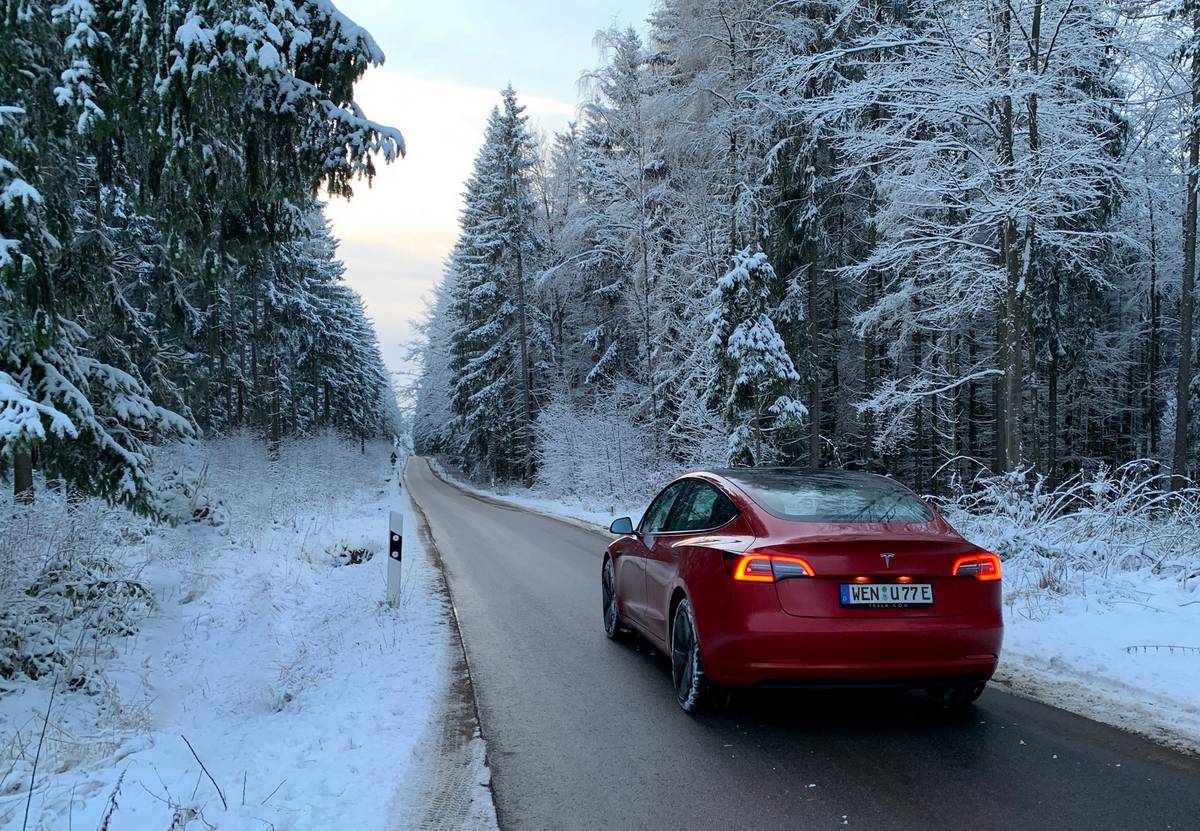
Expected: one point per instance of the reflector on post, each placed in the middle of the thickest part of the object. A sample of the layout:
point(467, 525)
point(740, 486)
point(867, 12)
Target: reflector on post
point(395, 557)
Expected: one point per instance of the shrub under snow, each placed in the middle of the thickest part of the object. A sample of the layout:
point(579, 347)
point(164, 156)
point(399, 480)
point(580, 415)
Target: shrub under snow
point(1108, 522)
point(64, 592)
point(598, 456)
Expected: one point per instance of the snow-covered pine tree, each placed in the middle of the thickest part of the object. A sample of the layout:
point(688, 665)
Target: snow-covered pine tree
point(24, 240)
point(755, 373)
point(614, 220)
point(478, 399)
point(155, 159)
point(718, 104)
point(317, 357)
point(977, 213)
point(87, 419)
point(279, 79)
point(498, 327)
point(433, 424)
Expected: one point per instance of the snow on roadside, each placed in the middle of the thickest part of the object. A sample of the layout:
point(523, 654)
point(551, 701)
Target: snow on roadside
point(303, 695)
point(1106, 658)
point(1121, 647)
point(1094, 643)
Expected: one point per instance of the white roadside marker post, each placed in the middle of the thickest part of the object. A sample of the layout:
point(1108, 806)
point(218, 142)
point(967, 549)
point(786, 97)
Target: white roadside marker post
point(395, 556)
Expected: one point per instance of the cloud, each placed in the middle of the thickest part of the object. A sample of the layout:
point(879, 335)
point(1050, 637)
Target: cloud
point(396, 234)
point(445, 65)
point(394, 288)
point(541, 46)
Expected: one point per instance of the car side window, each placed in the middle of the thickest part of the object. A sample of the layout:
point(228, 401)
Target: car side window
point(722, 511)
point(699, 508)
point(660, 509)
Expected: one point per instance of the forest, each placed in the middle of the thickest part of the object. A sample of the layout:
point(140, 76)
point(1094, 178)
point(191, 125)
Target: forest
point(952, 241)
point(941, 238)
point(166, 270)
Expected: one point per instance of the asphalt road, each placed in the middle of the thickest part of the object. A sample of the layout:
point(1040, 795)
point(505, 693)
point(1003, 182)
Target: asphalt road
point(585, 733)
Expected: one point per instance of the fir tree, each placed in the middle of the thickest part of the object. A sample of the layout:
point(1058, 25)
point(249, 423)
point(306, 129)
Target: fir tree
point(158, 254)
point(497, 327)
point(755, 373)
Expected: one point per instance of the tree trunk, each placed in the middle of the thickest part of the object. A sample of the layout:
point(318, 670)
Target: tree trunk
point(1187, 295)
point(1154, 357)
point(526, 392)
point(734, 241)
point(972, 422)
point(1000, 451)
point(646, 305)
point(874, 291)
point(1070, 430)
point(1011, 392)
point(814, 350)
point(921, 435)
point(274, 412)
point(255, 383)
point(1052, 419)
point(23, 477)
point(834, 428)
point(228, 378)
point(241, 385)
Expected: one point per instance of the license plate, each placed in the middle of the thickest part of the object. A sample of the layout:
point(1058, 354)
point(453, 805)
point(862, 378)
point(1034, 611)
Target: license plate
point(881, 595)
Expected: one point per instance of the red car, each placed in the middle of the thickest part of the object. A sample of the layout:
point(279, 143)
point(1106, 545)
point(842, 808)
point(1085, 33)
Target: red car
point(823, 578)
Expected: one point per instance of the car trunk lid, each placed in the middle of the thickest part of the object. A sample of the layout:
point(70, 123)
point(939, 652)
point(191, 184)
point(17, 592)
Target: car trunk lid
point(872, 558)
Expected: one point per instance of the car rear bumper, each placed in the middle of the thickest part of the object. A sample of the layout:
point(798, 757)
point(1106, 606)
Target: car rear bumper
point(779, 649)
point(873, 683)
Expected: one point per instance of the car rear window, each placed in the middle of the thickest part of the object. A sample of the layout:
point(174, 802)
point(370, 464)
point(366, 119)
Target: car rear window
point(834, 496)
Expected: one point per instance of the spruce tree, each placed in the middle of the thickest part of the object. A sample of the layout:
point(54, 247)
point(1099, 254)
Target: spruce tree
point(498, 329)
point(157, 259)
point(755, 373)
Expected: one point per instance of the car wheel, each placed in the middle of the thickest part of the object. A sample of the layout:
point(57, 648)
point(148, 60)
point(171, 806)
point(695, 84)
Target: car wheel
point(955, 698)
point(693, 689)
point(613, 627)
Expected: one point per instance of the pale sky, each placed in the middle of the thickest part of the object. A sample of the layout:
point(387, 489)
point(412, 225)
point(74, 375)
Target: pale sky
point(446, 63)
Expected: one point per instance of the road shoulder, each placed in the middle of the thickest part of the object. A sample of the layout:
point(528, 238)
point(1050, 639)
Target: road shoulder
point(450, 784)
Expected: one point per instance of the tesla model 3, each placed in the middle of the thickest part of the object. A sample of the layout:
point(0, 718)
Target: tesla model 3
point(820, 578)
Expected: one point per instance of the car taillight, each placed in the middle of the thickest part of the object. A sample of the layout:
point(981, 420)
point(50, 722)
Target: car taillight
point(979, 566)
point(769, 568)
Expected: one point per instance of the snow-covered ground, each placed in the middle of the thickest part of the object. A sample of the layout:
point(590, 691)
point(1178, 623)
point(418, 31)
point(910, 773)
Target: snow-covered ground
point(303, 697)
point(1118, 645)
point(1102, 655)
point(1102, 617)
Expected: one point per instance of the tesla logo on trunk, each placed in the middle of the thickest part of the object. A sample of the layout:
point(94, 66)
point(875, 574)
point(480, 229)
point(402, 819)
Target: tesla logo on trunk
point(887, 559)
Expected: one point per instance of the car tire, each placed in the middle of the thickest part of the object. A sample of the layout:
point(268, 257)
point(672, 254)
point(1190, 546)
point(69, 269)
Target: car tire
point(956, 698)
point(694, 690)
point(614, 628)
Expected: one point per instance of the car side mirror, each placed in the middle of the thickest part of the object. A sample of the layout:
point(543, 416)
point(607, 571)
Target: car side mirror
point(623, 525)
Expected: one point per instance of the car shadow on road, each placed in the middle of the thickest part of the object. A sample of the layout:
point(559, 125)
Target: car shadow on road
point(870, 713)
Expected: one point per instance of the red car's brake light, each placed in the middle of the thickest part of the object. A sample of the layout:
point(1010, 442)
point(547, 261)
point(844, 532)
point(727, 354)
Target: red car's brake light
point(759, 567)
point(979, 566)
